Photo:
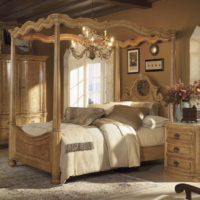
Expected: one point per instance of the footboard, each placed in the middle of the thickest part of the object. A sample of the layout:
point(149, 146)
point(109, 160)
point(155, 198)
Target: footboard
point(30, 150)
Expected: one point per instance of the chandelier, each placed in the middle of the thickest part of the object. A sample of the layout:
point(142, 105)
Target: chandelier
point(92, 45)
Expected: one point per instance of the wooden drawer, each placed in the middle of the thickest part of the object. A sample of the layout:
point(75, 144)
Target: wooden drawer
point(184, 165)
point(180, 150)
point(180, 136)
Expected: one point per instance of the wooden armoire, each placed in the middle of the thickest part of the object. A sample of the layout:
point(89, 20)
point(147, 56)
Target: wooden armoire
point(30, 91)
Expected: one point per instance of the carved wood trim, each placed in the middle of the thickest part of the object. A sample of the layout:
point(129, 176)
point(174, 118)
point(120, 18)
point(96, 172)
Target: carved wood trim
point(131, 93)
point(51, 39)
point(140, 39)
point(23, 57)
point(79, 22)
point(33, 150)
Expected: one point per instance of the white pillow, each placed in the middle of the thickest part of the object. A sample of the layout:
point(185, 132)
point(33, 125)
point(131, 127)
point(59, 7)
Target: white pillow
point(151, 121)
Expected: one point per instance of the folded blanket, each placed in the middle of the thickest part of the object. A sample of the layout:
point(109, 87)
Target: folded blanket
point(122, 143)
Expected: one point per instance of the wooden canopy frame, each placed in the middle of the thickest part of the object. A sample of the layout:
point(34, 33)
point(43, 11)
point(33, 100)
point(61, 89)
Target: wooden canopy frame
point(50, 161)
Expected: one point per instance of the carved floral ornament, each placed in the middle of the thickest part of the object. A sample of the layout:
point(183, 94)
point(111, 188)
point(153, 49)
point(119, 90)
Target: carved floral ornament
point(143, 90)
point(151, 35)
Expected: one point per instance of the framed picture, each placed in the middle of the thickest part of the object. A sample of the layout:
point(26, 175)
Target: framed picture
point(154, 65)
point(22, 47)
point(133, 61)
point(5, 36)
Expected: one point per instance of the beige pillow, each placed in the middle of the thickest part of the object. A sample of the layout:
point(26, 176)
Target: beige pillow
point(82, 116)
point(129, 115)
point(153, 107)
point(107, 107)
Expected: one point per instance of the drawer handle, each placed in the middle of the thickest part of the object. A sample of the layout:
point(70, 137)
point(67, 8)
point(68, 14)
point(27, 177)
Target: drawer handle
point(176, 136)
point(176, 149)
point(176, 163)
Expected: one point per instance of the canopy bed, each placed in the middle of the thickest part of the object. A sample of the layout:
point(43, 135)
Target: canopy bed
point(43, 151)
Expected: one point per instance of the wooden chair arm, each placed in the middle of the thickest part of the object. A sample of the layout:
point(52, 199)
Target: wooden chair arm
point(188, 190)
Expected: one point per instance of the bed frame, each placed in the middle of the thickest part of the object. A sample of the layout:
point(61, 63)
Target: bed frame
point(43, 152)
point(144, 90)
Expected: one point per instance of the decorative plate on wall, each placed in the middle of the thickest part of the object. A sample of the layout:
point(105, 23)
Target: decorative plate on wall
point(154, 49)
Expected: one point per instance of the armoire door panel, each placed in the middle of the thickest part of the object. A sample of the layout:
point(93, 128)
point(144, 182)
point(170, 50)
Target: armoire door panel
point(4, 86)
point(30, 79)
point(32, 87)
point(18, 80)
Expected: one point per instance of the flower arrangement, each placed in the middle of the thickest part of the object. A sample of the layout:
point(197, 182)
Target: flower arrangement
point(180, 92)
point(195, 87)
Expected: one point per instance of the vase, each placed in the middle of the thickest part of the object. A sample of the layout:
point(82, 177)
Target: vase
point(178, 112)
point(179, 109)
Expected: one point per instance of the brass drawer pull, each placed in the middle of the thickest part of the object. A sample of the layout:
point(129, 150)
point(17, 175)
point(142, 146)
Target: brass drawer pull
point(176, 163)
point(176, 149)
point(176, 136)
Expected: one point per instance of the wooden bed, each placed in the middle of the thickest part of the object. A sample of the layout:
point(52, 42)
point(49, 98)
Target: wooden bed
point(43, 152)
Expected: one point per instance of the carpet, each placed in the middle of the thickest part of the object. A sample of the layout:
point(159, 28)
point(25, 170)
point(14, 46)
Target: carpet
point(23, 182)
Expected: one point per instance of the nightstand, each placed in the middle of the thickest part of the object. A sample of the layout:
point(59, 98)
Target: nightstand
point(182, 151)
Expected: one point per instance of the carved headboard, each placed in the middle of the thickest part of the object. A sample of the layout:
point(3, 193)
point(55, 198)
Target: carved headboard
point(144, 90)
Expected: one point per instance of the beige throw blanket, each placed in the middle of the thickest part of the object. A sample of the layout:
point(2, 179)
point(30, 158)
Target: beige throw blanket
point(122, 143)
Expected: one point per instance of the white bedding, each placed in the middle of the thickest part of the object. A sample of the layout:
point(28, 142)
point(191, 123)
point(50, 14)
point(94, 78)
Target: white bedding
point(115, 145)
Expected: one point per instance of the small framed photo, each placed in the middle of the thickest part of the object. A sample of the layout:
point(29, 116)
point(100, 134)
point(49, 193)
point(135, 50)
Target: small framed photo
point(154, 65)
point(22, 47)
point(133, 61)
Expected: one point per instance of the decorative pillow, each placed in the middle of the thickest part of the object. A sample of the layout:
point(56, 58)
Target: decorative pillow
point(153, 107)
point(82, 116)
point(151, 121)
point(107, 107)
point(128, 115)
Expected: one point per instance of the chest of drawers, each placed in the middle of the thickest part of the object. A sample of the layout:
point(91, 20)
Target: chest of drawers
point(182, 151)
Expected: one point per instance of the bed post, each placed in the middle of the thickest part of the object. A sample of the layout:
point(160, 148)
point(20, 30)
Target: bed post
point(172, 75)
point(12, 119)
point(173, 61)
point(117, 73)
point(56, 135)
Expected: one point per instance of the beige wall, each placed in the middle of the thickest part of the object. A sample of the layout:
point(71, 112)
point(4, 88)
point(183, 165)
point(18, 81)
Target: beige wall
point(179, 15)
